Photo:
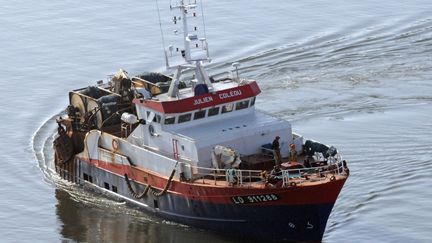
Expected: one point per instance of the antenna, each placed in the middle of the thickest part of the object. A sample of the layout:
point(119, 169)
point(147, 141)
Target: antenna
point(236, 65)
point(186, 33)
point(162, 35)
point(188, 47)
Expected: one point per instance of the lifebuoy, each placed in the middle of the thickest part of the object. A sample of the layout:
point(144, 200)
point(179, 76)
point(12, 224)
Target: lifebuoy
point(332, 178)
point(115, 144)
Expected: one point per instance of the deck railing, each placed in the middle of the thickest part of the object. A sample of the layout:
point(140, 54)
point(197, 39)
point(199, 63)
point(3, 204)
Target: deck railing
point(288, 177)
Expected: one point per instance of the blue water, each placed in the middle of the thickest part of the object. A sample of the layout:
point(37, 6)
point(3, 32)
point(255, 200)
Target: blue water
point(353, 74)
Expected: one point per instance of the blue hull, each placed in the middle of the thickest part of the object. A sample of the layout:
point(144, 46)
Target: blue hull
point(275, 223)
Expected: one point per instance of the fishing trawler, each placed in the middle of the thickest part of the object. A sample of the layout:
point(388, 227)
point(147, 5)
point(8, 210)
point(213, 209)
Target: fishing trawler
point(194, 150)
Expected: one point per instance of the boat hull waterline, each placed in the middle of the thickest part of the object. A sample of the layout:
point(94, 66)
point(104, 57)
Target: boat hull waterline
point(293, 213)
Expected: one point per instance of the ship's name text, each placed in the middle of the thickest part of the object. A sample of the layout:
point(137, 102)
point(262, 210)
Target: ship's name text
point(203, 100)
point(255, 198)
point(225, 95)
point(232, 93)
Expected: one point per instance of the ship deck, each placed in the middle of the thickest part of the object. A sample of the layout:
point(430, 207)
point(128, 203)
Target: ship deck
point(256, 172)
point(312, 181)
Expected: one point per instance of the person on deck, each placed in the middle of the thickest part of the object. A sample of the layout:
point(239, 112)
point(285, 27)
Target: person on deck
point(275, 175)
point(293, 153)
point(276, 150)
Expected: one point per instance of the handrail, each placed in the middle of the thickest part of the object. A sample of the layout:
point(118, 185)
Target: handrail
point(245, 177)
point(259, 171)
point(193, 173)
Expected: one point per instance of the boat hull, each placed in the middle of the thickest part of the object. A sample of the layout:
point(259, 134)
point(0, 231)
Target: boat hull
point(291, 214)
point(275, 223)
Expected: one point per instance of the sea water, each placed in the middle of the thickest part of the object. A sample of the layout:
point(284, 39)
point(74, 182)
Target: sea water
point(352, 74)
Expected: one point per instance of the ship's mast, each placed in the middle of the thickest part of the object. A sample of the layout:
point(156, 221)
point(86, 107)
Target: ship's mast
point(187, 37)
point(194, 51)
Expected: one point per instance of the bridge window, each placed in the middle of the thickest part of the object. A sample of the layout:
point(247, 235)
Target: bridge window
point(170, 120)
point(253, 101)
point(88, 178)
point(242, 105)
point(227, 108)
point(199, 114)
point(213, 111)
point(185, 118)
point(157, 118)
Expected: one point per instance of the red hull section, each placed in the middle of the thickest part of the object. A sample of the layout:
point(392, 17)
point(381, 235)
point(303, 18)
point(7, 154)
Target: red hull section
point(322, 193)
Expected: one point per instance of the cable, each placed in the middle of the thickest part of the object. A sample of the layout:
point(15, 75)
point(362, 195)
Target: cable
point(160, 26)
point(202, 13)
